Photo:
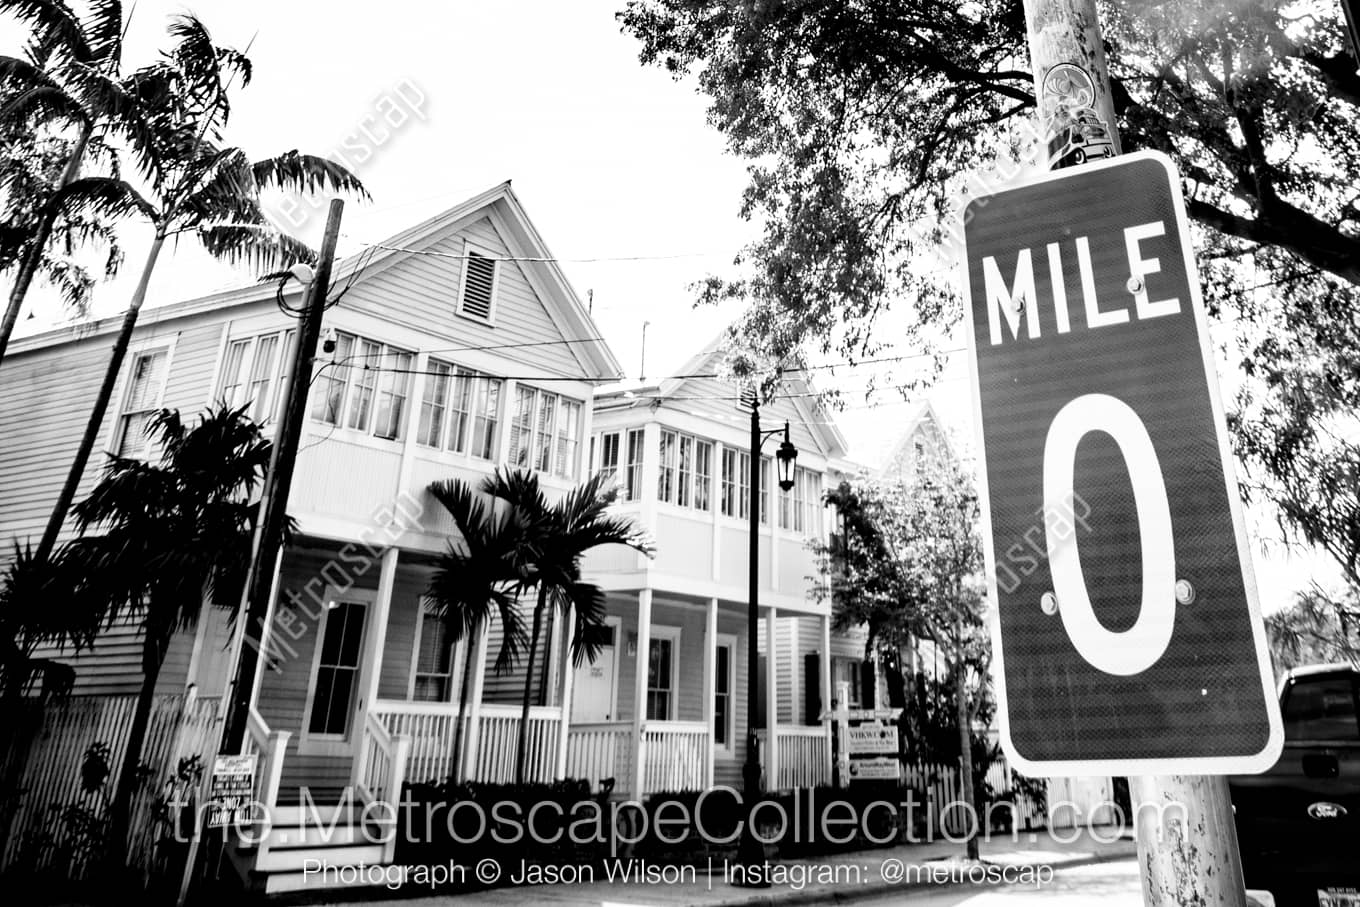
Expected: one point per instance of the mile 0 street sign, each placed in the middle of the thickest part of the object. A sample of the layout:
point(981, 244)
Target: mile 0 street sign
point(1126, 631)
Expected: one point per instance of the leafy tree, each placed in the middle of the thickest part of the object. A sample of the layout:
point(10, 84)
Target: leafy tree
point(1316, 628)
point(908, 565)
point(158, 537)
point(60, 105)
point(560, 534)
point(860, 119)
point(860, 122)
point(477, 579)
point(201, 188)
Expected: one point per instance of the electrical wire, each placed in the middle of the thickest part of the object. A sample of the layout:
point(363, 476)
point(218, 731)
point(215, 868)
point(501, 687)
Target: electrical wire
point(539, 259)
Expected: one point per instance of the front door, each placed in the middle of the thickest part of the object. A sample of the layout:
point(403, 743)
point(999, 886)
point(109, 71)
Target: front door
point(337, 670)
point(592, 696)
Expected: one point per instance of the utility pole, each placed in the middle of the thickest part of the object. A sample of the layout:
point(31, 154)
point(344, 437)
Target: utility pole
point(269, 538)
point(1189, 856)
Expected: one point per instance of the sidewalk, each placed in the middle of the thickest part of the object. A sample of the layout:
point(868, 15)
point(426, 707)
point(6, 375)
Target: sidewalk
point(831, 879)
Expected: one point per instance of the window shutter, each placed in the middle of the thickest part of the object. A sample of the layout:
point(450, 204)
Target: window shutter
point(478, 281)
point(812, 688)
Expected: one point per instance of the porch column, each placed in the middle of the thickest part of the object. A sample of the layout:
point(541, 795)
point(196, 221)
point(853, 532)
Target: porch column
point(771, 706)
point(471, 732)
point(825, 683)
point(710, 685)
point(566, 685)
point(644, 644)
point(376, 639)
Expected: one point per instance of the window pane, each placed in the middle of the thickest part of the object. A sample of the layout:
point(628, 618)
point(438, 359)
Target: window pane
point(522, 428)
point(634, 479)
point(685, 473)
point(609, 455)
point(263, 368)
point(568, 436)
point(231, 372)
point(545, 428)
point(665, 487)
point(365, 381)
point(703, 469)
point(433, 404)
point(729, 482)
point(1321, 709)
point(332, 378)
point(460, 428)
point(488, 410)
point(393, 389)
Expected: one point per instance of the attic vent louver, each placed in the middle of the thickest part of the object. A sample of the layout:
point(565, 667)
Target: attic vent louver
point(478, 283)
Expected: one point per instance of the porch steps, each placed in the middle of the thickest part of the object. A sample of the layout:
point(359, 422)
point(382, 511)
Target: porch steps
point(320, 847)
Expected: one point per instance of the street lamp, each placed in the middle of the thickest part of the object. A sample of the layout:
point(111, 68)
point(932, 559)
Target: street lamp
point(751, 853)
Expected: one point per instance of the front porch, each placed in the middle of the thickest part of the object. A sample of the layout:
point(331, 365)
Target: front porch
point(363, 672)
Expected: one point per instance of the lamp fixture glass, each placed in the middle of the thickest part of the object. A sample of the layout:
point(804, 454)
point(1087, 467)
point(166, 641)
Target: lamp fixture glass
point(786, 455)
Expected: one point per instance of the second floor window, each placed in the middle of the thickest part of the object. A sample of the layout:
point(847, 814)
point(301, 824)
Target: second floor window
point(364, 387)
point(255, 372)
point(686, 470)
point(146, 385)
point(800, 508)
point(545, 432)
point(736, 483)
point(464, 403)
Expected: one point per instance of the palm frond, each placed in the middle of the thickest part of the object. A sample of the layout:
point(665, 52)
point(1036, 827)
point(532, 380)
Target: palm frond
point(260, 246)
point(54, 24)
point(300, 172)
point(101, 197)
point(103, 29)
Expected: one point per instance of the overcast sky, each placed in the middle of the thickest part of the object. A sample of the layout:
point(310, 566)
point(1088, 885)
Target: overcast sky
point(613, 162)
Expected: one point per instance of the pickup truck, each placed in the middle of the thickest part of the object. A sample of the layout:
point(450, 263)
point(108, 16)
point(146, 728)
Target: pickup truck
point(1298, 824)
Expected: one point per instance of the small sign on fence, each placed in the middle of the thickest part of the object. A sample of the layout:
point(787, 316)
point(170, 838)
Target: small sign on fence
point(881, 769)
point(231, 790)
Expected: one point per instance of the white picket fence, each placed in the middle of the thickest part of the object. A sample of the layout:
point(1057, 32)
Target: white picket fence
point(942, 788)
point(53, 812)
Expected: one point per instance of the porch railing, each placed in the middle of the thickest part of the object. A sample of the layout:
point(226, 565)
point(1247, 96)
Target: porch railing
point(676, 755)
point(431, 727)
point(601, 750)
point(498, 742)
point(804, 756)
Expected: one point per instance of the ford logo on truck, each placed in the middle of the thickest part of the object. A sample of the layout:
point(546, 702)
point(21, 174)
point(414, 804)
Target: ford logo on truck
point(1325, 810)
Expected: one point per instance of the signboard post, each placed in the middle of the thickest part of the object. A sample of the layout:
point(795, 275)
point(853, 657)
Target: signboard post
point(1127, 635)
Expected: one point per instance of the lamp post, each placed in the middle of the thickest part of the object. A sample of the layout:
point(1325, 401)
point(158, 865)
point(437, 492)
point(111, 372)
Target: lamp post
point(751, 852)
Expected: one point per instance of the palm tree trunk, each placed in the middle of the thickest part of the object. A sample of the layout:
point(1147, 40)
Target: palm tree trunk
point(522, 753)
point(965, 752)
point(464, 693)
point(101, 404)
point(28, 268)
point(120, 815)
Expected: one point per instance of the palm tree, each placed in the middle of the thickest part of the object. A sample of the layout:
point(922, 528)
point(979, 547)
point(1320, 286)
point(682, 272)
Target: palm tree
point(203, 189)
point(158, 538)
point(68, 77)
point(564, 532)
point(478, 578)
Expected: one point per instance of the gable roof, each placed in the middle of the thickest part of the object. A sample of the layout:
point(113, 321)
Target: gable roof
point(923, 414)
point(507, 214)
point(704, 365)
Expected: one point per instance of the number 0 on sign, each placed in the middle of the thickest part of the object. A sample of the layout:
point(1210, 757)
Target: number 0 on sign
point(1126, 631)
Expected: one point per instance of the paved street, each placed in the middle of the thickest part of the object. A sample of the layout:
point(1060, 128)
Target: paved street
point(1075, 871)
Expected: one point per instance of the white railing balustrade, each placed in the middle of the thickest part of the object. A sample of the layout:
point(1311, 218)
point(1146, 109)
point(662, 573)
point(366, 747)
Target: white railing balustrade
point(599, 751)
point(676, 755)
point(498, 743)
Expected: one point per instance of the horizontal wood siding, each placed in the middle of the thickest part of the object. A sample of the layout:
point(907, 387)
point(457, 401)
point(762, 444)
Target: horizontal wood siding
point(283, 691)
point(508, 688)
point(399, 656)
point(422, 291)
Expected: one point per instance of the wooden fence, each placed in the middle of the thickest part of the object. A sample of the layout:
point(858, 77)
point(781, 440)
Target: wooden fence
point(940, 784)
point(61, 803)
